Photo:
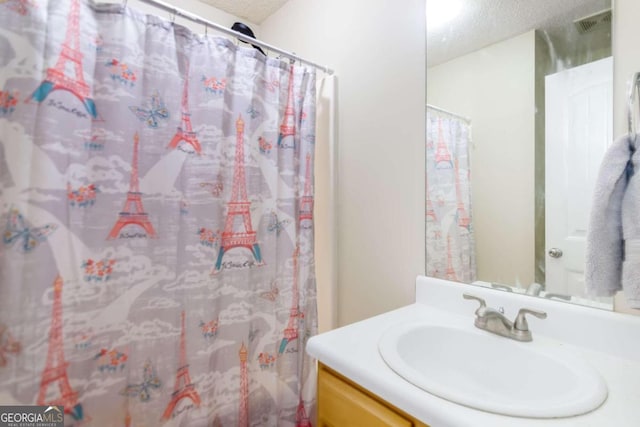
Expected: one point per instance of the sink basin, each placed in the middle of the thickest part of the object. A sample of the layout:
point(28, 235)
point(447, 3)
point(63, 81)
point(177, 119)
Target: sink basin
point(491, 373)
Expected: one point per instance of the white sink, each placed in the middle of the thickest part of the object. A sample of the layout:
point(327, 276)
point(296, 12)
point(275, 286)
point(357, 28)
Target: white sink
point(491, 373)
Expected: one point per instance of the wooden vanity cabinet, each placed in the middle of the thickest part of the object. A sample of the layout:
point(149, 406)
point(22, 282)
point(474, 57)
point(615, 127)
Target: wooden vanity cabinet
point(342, 403)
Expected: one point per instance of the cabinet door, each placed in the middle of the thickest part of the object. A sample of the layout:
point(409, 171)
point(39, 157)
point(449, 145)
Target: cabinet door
point(342, 405)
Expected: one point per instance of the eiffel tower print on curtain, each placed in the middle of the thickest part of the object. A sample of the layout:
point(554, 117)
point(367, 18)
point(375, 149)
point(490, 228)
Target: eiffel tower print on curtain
point(185, 132)
point(288, 124)
point(238, 206)
point(133, 212)
point(55, 369)
point(57, 79)
point(183, 387)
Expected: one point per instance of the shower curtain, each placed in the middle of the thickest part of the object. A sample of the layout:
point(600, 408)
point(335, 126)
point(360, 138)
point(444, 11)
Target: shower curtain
point(156, 211)
point(450, 244)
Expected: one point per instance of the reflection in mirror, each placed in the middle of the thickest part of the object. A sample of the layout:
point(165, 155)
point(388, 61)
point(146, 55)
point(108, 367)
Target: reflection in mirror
point(519, 116)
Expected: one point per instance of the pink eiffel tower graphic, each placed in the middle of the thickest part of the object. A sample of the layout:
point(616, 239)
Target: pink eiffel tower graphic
point(57, 79)
point(450, 274)
point(291, 331)
point(55, 370)
point(302, 420)
point(185, 131)
point(463, 219)
point(183, 387)
point(306, 201)
point(133, 212)
point(243, 416)
point(288, 125)
point(238, 206)
point(443, 157)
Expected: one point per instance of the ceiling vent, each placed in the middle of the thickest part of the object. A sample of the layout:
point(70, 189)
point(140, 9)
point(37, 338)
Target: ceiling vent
point(594, 22)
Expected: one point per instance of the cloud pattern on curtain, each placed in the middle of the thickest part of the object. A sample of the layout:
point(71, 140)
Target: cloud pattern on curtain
point(450, 243)
point(156, 208)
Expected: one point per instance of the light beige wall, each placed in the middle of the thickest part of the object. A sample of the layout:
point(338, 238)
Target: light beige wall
point(194, 6)
point(378, 52)
point(626, 54)
point(494, 87)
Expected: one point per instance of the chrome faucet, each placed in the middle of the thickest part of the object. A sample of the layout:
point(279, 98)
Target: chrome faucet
point(493, 321)
point(534, 289)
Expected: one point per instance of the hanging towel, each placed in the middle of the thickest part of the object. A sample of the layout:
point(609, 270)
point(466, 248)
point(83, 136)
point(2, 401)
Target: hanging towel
point(631, 234)
point(615, 216)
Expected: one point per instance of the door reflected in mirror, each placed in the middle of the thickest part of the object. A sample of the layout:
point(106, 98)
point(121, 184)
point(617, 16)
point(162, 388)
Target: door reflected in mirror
point(519, 116)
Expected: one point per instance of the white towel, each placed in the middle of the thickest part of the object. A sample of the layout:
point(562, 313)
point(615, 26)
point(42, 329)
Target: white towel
point(631, 235)
point(605, 236)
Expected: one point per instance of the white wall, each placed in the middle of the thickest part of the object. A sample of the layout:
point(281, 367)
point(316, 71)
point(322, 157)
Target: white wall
point(626, 54)
point(378, 52)
point(495, 88)
point(194, 6)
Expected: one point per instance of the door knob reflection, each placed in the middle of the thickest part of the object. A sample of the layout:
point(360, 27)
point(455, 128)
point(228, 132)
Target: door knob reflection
point(555, 252)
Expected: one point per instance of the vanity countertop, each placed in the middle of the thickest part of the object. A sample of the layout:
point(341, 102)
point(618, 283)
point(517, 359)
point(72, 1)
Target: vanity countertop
point(608, 341)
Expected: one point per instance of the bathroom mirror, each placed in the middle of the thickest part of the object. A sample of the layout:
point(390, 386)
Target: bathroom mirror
point(519, 115)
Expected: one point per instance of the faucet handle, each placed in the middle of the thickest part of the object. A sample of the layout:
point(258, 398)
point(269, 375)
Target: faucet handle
point(521, 324)
point(483, 304)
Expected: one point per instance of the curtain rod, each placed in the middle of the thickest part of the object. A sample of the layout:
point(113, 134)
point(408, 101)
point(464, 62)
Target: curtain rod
point(442, 110)
point(200, 20)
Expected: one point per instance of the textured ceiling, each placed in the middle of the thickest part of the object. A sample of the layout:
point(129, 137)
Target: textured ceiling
point(255, 11)
point(484, 22)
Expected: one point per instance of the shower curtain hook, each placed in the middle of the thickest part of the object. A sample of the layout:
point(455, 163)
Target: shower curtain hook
point(206, 30)
point(173, 16)
point(124, 4)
